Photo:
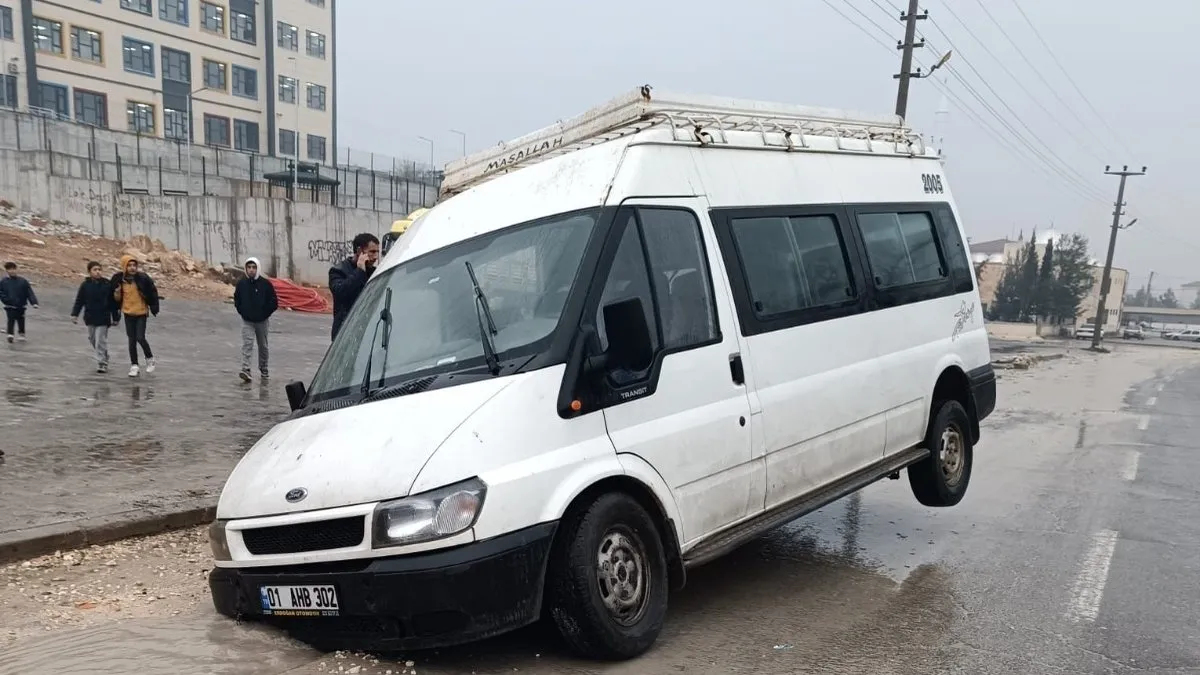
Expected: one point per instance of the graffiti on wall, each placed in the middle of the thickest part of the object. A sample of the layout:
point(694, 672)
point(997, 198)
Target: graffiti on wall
point(325, 250)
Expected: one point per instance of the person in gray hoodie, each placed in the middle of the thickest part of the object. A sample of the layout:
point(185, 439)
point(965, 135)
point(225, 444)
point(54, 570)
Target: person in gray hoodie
point(255, 300)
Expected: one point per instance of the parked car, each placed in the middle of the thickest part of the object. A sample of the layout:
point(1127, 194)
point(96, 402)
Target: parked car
point(1191, 334)
point(1133, 333)
point(622, 347)
point(1085, 332)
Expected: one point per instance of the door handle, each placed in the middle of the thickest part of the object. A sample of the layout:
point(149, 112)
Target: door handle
point(736, 370)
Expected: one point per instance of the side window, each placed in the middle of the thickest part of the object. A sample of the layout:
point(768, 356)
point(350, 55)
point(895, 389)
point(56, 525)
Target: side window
point(628, 278)
point(681, 280)
point(955, 251)
point(792, 264)
point(902, 248)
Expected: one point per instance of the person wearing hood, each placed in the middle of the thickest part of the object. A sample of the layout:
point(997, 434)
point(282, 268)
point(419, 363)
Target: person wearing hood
point(99, 308)
point(137, 298)
point(255, 300)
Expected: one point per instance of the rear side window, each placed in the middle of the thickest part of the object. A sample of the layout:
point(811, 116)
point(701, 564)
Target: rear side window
point(954, 251)
point(901, 248)
point(792, 263)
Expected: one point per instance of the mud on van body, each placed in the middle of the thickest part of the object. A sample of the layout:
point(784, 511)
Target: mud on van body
point(584, 373)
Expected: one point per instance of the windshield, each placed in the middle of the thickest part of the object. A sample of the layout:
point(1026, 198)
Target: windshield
point(525, 272)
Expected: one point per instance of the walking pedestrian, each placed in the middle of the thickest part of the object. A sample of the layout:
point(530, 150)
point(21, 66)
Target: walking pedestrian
point(255, 300)
point(95, 300)
point(347, 278)
point(15, 294)
point(137, 297)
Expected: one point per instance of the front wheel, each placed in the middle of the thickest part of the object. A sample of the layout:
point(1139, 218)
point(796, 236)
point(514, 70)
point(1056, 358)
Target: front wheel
point(941, 478)
point(607, 584)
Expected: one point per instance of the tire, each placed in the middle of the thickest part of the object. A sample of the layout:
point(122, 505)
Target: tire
point(611, 613)
point(941, 479)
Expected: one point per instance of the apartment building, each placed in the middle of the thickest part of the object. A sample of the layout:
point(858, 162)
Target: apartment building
point(250, 75)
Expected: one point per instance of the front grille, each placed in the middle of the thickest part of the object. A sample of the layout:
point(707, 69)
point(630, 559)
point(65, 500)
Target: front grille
point(321, 535)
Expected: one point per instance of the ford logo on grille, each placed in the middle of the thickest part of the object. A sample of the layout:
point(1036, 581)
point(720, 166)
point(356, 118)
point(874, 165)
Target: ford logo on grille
point(296, 495)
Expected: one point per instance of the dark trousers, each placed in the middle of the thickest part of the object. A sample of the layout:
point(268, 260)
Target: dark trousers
point(135, 328)
point(14, 318)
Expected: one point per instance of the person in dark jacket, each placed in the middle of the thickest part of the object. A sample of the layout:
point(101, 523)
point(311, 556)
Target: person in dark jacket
point(347, 278)
point(15, 294)
point(255, 300)
point(137, 298)
point(95, 300)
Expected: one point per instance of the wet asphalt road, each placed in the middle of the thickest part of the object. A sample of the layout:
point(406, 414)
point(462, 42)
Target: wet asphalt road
point(80, 444)
point(1076, 550)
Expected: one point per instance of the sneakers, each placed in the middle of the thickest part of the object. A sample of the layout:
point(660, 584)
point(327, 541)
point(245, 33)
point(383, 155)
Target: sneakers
point(150, 366)
point(102, 368)
point(21, 337)
point(10, 339)
point(263, 374)
point(134, 371)
point(245, 375)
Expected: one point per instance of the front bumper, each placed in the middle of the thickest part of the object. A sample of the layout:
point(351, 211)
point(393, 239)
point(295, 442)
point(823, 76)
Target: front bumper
point(419, 601)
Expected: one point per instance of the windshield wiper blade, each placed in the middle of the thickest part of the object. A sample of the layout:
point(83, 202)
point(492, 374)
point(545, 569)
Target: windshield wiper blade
point(385, 320)
point(405, 388)
point(487, 327)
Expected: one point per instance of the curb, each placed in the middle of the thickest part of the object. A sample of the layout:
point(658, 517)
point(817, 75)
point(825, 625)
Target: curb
point(30, 543)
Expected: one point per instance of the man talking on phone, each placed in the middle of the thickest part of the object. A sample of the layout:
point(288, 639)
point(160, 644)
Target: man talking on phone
point(347, 278)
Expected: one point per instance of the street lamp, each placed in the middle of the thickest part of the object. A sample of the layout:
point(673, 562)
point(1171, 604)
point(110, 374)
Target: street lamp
point(296, 129)
point(430, 142)
point(190, 126)
point(464, 140)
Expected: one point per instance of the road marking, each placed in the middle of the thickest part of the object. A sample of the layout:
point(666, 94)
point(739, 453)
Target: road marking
point(1152, 400)
point(1088, 591)
point(1129, 471)
point(1143, 422)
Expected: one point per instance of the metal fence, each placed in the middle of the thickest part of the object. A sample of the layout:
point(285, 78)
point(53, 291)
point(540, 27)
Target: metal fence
point(148, 164)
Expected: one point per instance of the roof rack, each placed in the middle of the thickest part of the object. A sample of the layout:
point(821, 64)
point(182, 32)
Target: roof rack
point(696, 120)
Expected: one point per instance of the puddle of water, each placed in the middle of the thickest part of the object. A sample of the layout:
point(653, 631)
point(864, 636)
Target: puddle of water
point(22, 396)
point(197, 645)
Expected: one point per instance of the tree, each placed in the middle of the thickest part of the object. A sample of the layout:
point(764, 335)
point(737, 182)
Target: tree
point(1009, 296)
point(1029, 279)
point(1044, 294)
point(1073, 278)
point(1168, 300)
point(1196, 302)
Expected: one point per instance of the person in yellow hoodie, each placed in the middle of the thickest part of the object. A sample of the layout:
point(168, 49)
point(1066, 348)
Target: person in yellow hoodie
point(137, 297)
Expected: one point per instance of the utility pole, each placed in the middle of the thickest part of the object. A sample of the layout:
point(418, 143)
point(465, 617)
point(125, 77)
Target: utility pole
point(1149, 285)
point(1106, 277)
point(910, 19)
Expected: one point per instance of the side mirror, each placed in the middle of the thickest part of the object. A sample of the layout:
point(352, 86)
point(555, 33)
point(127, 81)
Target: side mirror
point(629, 343)
point(295, 394)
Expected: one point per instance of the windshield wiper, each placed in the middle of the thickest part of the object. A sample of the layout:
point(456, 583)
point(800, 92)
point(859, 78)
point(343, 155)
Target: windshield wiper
point(385, 320)
point(487, 327)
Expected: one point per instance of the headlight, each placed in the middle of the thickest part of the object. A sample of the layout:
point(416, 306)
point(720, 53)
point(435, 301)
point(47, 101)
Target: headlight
point(218, 542)
point(436, 514)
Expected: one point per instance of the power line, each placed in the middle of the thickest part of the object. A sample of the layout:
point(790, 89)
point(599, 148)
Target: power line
point(1070, 79)
point(859, 26)
point(1036, 71)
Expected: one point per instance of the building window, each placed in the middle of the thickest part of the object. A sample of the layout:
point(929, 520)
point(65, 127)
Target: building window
point(216, 130)
point(47, 35)
point(316, 96)
point(316, 44)
point(91, 108)
point(175, 124)
point(245, 82)
point(86, 45)
point(287, 89)
point(140, 117)
point(212, 17)
point(316, 147)
point(176, 65)
point(289, 36)
point(287, 142)
point(6, 24)
point(8, 91)
point(244, 29)
point(902, 248)
point(175, 11)
point(139, 6)
point(139, 56)
point(318, 3)
point(245, 135)
point(215, 75)
point(54, 98)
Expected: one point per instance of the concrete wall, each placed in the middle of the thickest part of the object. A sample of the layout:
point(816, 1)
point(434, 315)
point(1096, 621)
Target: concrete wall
point(299, 244)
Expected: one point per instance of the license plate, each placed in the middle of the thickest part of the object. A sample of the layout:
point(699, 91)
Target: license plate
point(298, 600)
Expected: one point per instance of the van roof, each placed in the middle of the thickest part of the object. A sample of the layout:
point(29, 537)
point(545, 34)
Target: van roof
point(694, 120)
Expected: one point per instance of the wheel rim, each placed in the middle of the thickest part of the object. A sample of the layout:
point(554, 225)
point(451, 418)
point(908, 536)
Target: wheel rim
point(623, 575)
point(952, 455)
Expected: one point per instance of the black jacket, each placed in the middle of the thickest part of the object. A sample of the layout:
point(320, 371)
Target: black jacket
point(255, 299)
point(15, 292)
point(95, 299)
point(145, 286)
point(346, 281)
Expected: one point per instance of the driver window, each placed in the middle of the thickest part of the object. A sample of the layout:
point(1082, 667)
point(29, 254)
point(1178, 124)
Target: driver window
point(628, 278)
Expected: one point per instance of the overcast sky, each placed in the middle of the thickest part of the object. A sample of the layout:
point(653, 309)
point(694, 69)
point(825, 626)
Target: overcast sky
point(497, 70)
